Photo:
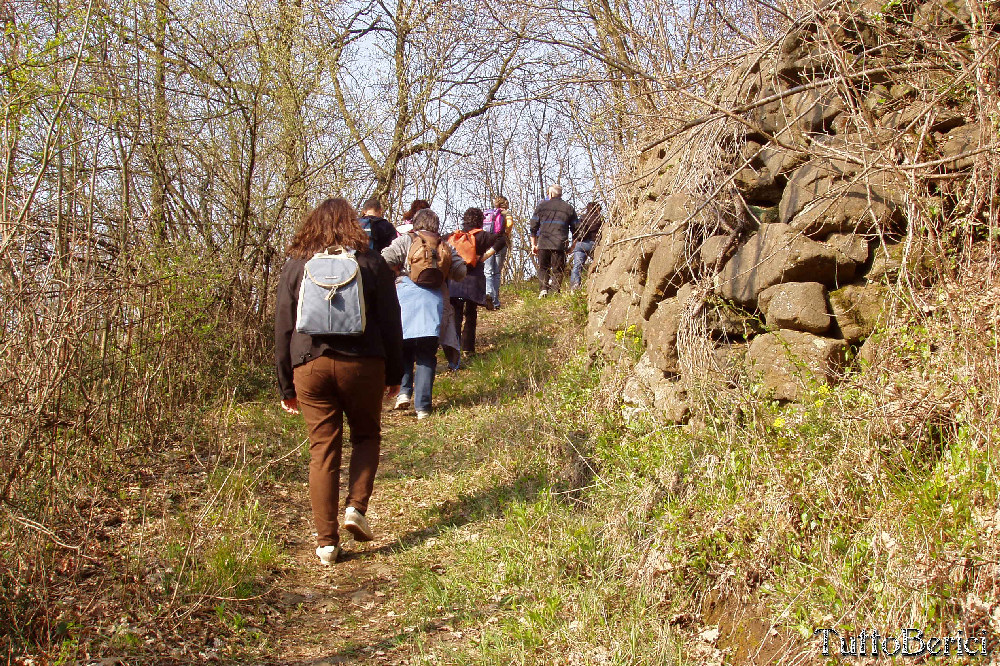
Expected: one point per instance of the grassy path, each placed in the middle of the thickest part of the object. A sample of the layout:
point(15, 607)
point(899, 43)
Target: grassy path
point(440, 486)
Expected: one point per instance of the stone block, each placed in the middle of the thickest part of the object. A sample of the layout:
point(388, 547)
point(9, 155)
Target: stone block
point(858, 309)
point(773, 255)
point(799, 306)
point(789, 360)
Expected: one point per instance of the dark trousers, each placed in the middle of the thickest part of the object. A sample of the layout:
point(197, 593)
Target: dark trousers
point(551, 264)
point(419, 366)
point(328, 388)
point(469, 311)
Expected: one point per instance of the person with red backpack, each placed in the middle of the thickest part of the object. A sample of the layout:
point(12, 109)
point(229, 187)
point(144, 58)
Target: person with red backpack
point(424, 263)
point(476, 246)
point(496, 220)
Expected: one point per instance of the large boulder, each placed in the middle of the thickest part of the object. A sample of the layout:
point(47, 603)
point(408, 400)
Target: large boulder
point(759, 185)
point(790, 360)
point(857, 309)
point(773, 255)
point(716, 250)
point(851, 250)
point(660, 332)
point(812, 181)
point(670, 398)
point(624, 266)
point(957, 142)
point(912, 116)
point(847, 207)
point(649, 387)
point(815, 109)
point(623, 311)
point(669, 267)
point(800, 306)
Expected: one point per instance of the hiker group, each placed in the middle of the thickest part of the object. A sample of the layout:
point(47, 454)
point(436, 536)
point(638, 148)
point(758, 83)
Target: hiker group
point(362, 307)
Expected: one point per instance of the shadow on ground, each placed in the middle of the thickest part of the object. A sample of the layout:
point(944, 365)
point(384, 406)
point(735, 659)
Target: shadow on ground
point(466, 508)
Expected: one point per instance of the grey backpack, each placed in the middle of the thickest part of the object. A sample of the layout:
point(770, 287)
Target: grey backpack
point(331, 298)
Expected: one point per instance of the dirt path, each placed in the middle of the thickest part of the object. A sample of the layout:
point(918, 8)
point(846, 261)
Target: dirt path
point(355, 612)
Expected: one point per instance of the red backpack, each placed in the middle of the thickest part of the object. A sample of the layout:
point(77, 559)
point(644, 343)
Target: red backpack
point(464, 243)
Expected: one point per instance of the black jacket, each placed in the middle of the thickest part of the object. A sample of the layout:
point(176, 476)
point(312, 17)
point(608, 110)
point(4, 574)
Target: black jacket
point(552, 222)
point(382, 233)
point(383, 336)
point(590, 226)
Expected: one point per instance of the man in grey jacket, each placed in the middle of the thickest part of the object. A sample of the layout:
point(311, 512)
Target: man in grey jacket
point(551, 225)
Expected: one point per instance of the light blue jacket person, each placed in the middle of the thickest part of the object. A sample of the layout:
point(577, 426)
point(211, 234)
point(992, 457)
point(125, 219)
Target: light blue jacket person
point(421, 309)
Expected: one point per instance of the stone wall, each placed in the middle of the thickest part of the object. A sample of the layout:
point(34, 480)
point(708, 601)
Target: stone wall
point(777, 237)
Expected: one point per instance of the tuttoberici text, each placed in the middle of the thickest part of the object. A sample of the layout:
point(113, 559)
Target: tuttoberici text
point(908, 643)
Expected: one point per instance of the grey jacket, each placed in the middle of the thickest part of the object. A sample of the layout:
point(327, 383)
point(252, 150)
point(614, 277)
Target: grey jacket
point(395, 255)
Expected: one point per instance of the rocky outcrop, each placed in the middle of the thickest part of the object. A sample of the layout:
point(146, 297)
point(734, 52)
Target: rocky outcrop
point(789, 360)
point(799, 306)
point(792, 244)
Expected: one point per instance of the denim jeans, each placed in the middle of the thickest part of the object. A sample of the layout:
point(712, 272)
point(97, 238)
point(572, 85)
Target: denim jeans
point(581, 253)
point(419, 382)
point(493, 268)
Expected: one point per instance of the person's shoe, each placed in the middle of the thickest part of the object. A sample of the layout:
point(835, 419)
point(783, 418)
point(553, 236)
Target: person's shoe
point(490, 305)
point(422, 415)
point(543, 293)
point(327, 554)
point(402, 402)
point(356, 523)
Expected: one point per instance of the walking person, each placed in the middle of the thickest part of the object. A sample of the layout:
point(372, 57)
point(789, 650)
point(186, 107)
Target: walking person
point(550, 227)
point(423, 262)
point(476, 246)
point(584, 239)
point(498, 221)
point(328, 377)
point(407, 224)
point(380, 232)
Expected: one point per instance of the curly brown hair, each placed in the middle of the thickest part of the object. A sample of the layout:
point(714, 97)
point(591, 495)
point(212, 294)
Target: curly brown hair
point(473, 219)
point(333, 222)
point(417, 205)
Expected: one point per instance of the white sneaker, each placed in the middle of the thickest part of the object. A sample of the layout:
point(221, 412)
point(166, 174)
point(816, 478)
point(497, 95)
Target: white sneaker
point(422, 415)
point(543, 293)
point(402, 401)
point(356, 523)
point(327, 554)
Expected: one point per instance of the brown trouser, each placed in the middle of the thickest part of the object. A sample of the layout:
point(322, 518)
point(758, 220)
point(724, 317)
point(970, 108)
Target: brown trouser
point(328, 388)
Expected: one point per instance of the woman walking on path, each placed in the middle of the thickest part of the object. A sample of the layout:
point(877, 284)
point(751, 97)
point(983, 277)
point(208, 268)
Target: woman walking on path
point(497, 220)
point(328, 377)
point(422, 307)
point(584, 239)
point(468, 294)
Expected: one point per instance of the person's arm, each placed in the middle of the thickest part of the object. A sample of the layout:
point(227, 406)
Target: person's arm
point(395, 254)
point(574, 223)
point(492, 243)
point(386, 233)
point(284, 325)
point(390, 323)
point(459, 268)
point(533, 226)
